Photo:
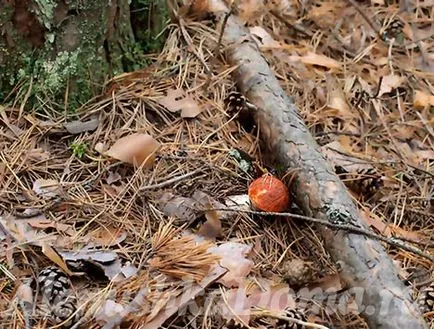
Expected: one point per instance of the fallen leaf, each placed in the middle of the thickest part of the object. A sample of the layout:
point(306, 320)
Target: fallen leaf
point(38, 154)
point(336, 154)
point(235, 306)
point(105, 236)
point(179, 207)
point(422, 100)
point(46, 223)
point(241, 202)
point(78, 126)
point(248, 9)
point(336, 98)
point(109, 310)
point(107, 261)
point(389, 83)
point(46, 188)
point(374, 221)
point(100, 148)
point(233, 258)
point(263, 38)
point(54, 256)
point(212, 228)
point(176, 100)
point(21, 231)
point(136, 149)
point(206, 201)
point(321, 60)
point(113, 177)
point(276, 298)
point(25, 297)
point(331, 282)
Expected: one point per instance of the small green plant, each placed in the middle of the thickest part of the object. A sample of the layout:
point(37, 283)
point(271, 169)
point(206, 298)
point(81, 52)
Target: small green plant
point(78, 149)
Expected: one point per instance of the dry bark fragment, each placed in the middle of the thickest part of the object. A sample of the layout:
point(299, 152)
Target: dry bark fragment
point(364, 262)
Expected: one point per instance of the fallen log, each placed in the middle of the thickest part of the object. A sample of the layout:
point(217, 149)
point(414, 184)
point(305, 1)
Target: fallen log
point(364, 264)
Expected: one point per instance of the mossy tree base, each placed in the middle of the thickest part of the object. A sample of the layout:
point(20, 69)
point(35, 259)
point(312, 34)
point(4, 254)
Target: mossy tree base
point(63, 51)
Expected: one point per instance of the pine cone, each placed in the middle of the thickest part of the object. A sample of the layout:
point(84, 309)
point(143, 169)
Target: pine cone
point(426, 298)
point(55, 289)
point(291, 313)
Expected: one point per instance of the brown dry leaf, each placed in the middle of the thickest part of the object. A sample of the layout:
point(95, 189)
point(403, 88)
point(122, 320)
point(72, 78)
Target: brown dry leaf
point(415, 236)
point(329, 282)
point(389, 83)
point(249, 9)
point(109, 310)
point(176, 100)
point(235, 305)
point(105, 236)
point(54, 256)
point(336, 154)
point(135, 149)
point(233, 258)
point(312, 58)
point(212, 228)
point(422, 100)
point(178, 206)
point(38, 154)
point(375, 222)
point(206, 201)
point(336, 98)
point(113, 177)
point(263, 38)
point(276, 298)
point(46, 188)
point(46, 223)
point(23, 232)
point(107, 261)
point(25, 293)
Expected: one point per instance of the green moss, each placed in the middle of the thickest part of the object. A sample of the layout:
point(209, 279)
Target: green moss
point(44, 10)
point(73, 58)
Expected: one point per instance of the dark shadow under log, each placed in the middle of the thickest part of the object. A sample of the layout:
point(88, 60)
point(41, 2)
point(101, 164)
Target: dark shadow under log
point(364, 263)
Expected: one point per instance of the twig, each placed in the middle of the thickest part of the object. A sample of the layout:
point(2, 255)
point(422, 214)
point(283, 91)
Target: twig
point(170, 181)
point(396, 242)
point(294, 320)
point(222, 30)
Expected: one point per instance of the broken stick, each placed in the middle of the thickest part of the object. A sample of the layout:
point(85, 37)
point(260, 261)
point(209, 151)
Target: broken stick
point(364, 263)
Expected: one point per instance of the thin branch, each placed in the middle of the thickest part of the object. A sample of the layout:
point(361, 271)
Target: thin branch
point(396, 242)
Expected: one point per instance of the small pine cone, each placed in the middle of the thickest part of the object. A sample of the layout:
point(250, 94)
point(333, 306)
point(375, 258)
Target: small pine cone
point(291, 313)
point(55, 288)
point(426, 298)
point(235, 101)
point(64, 309)
point(395, 28)
point(53, 283)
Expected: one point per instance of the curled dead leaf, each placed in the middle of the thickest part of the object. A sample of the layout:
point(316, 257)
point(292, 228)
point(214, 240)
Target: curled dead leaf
point(233, 258)
point(46, 188)
point(389, 83)
point(177, 100)
point(136, 149)
point(422, 100)
point(312, 58)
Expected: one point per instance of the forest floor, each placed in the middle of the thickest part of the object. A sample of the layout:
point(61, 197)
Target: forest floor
point(140, 242)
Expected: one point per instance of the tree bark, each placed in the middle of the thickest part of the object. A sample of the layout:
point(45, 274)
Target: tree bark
point(363, 262)
point(62, 52)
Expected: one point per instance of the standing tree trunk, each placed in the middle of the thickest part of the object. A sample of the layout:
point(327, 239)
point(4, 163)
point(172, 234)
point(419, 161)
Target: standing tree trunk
point(63, 51)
